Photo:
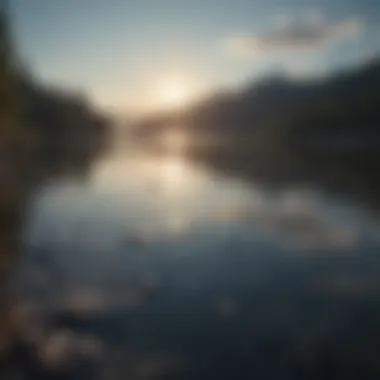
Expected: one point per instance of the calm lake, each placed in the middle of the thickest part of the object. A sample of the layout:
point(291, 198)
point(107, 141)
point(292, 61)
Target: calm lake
point(171, 270)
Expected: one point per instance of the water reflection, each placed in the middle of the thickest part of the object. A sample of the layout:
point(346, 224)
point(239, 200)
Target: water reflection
point(174, 140)
point(172, 267)
point(94, 228)
point(173, 175)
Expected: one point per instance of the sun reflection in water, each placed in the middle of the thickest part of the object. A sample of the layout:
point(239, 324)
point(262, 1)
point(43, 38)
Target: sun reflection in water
point(173, 175)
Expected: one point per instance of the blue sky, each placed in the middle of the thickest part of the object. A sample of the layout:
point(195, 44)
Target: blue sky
point(118, 51)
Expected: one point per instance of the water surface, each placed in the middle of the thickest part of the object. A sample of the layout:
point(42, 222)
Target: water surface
point(175, 270)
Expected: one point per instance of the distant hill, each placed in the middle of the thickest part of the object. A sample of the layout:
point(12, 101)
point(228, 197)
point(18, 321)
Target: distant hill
point(278, 128)
point(273, 99)
point(67, 129)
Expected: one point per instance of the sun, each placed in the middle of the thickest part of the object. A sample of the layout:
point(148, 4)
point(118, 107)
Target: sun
point(175, 92)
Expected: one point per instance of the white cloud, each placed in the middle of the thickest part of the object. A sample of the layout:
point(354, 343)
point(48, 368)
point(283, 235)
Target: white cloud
point(312, 31)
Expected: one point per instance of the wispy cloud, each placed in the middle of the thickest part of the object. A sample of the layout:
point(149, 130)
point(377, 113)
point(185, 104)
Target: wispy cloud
point(310, 32)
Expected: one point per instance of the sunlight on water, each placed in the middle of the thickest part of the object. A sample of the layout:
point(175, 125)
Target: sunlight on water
point(174, 176)
point(158, 195)
point(140, 198)
point(136, 207)
point(147, 234)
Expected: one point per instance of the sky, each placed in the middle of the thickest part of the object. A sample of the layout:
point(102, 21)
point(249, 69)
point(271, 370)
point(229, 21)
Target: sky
point(135, 56)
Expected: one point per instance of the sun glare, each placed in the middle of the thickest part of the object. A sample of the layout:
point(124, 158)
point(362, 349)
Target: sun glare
point(175, 92)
